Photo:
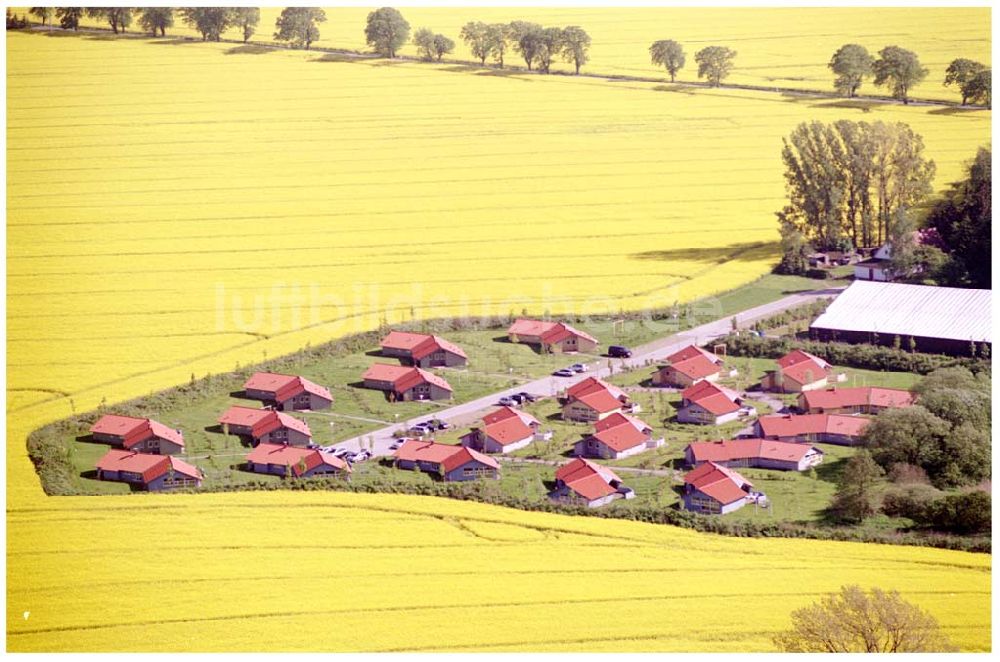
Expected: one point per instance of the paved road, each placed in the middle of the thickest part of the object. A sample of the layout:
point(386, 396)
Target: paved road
point(466, 413)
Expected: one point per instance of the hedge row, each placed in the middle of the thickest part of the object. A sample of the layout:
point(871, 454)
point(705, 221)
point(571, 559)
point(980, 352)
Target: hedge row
point(867, 357)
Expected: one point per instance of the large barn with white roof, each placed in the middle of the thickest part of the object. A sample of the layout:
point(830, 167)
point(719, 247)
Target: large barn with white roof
point(939, 319)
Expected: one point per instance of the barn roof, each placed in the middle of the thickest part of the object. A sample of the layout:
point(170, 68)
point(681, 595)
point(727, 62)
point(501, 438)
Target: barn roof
point(910, 310)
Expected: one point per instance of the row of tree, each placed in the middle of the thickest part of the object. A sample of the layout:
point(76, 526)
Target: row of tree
point(538, 45)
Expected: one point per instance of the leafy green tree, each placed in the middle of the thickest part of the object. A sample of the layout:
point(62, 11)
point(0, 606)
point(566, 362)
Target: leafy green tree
point(476, 36)
point(527, 40)
point(911, 435)
point(550, 45)
point(853, 621)
point(952, 377)
point(576, 46)
point(117, 17)
point(980, 88)
point(958, 406)
point(246, 19)
point(963, 218)
point(299, 26)
point(966, 513)
point(715, 63)
point(965, 457)
point(43, 13)
point(156, 20)
point(498, 35)
point(852, 63)
point(857, 490)
point(423, 39)
point(898, 69)
point(69, 17)
point(386, 31)
point(442, 46)
point(961, 72)
point(668, 53)
point(210, 22)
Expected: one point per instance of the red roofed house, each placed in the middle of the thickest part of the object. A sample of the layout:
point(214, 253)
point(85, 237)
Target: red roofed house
point(797, 371)
point(757, 453)
point(452, 463)
point(827, 428)
point(138, 434)
point(266, 426)
point(617, 436)
point(687, 367)
point(584, 482)
point(423, 350)
point(554, 337)
point(712, 488)
point(406, 383)
point(152, 472)
point(592, 399)
point(285, 460)
point(710, 404)
point(287, 392)
point(858, 400)
point(503, 431)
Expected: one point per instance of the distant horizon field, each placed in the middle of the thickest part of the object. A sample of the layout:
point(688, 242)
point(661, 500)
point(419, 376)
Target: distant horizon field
point(776, 46)
point(179, 208)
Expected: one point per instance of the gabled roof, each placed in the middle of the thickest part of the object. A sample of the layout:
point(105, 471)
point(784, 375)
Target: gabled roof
point(592, 385)
point(447, 455)
point(419, 345)
point(600, 401)
point(148, 465)
point(715, 399)
point(263, 421)
point(507, 426)
point(285, 386)
point(588, 479)
point(298, 459)
point(690, 352)
point(784, 425)
point(135, 430)
point(620, 432)
point(403, 378)
point(722, 484)
point(803, 367)
point(834, 398)
point(738, 449)
point(695, 367)
point(547, 332)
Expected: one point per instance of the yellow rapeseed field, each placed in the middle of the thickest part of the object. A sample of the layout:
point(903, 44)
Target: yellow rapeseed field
point(177, 208)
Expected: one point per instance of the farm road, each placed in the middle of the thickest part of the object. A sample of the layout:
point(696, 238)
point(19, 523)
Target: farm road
point(656, 350)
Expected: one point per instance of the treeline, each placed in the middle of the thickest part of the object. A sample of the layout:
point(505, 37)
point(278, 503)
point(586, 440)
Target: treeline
point(942, 442)
point(537, 45)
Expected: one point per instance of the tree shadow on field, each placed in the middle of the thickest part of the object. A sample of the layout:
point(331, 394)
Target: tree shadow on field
point(172, 41)
point(247, 49)
point(680, 89)
point(864, 105)
point(956, 110)
point(745, 252)
point(342, 57)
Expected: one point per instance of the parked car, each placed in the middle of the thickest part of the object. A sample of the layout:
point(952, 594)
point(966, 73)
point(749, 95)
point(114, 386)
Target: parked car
point(341, 452)
point(619, 352)
point(564, 372)
point(507, 401)
point(443, 425)
point(313, 447)
point(396, 444)
point(362, 455)
point(527, 397)
point(518, 398)
point(578, 367)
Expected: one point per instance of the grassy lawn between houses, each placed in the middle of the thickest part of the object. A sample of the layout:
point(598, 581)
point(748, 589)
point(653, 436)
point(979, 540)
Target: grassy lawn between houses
point(494, 364)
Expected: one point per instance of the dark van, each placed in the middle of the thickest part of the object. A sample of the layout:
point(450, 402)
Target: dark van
point(619, 352)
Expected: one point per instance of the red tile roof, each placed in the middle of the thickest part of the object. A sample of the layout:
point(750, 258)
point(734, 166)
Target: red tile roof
point(285, 386)
point(783, 425)
point(620, 432)
point(835, 398)
point(148, 465)
point(507, 426)
point(294, 457)
point(722, 484)
point(419, 345)
point(263, 421)
point(448, 456)
point(547, 332)
point(803, 367)
point(692, 351)
point(738, 449)
point(696, 367)
point(588, 479)
point(403, 378)
point(797, 356)
point(592, 385)
point(135, 430)
point(600, 401)
point(715, 399)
